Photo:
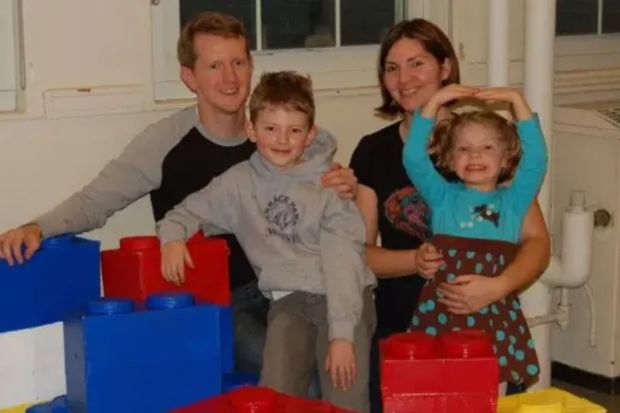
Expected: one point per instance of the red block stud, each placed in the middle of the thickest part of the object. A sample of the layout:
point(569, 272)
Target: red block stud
point(134, 270)
point(454, 372)
point(259, 400)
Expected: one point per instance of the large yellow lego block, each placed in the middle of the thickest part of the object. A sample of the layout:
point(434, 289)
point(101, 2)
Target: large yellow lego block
point(16, 409)
point(550, 400)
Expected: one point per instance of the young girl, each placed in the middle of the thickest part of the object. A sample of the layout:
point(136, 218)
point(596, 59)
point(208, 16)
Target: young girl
point(477, 219)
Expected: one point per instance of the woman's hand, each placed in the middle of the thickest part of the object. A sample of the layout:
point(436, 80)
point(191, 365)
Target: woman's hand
point(342, 180)
point(513, 96)
point(447, 94)
point(428, 260)
point(469, 293)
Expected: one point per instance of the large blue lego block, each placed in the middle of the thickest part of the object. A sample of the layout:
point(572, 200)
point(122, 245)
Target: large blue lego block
point(58, 405)
point(58, 280)
point(119, 359)
point(232, 381)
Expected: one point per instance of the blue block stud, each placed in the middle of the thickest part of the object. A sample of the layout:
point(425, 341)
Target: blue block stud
point(58, 405)
point(166, 353)
point(235, 380)
point(58, 280)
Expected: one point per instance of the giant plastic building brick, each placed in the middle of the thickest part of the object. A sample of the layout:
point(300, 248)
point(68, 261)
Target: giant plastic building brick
point(16, 409)
point(59, 279)
point(232, 381)
point(550, 400)
point(133, 271)
point(259, 400)
point(126, 360)
point(58, 405)
point(453, 372)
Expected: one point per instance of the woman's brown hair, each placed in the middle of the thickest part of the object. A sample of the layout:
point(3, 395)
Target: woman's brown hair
point(434, 41)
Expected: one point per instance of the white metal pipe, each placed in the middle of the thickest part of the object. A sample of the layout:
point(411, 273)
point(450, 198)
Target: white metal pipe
point(544, 319)
point(592, 315)
point(538, 88)
point(564, 308)
point(498, 50)
point(538, 70)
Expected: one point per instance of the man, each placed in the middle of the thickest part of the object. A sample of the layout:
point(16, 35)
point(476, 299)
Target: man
point(177, 156)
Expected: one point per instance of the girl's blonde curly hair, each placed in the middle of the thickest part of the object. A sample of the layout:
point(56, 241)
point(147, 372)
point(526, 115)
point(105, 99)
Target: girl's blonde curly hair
point(442, 144)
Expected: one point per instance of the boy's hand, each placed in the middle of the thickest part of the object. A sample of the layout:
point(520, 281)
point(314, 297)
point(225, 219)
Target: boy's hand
point(174, 256)
point(513, 96)
point(11, 243)
point(447, 94)
point(428, 260)
point(340, 363)
point(342, 180)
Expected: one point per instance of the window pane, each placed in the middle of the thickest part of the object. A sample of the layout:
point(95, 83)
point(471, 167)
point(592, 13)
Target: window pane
point(611, 16)
point(366, 21)
point(298, 23)
point(244, 10)
point(576, 16)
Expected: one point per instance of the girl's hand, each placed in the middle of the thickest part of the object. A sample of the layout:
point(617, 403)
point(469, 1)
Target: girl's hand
point(469, 293)
point(447, 94)
point(340, 363)
point(342, 180)
point(174, 256)
point(513, 96)
point(428, 260)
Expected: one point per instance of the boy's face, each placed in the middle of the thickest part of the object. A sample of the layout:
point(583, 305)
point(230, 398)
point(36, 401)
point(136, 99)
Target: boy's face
point(281, 135)
point(478, 156)
point(221, 75)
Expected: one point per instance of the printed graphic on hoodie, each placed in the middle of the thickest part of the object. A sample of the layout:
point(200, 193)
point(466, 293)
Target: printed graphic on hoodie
point(282, 216)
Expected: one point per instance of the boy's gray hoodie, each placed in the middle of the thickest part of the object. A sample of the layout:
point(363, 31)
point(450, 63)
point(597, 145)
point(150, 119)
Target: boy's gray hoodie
point(298, 235)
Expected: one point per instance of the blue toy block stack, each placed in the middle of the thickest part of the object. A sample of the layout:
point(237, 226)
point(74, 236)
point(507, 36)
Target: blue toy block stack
point(35, 296)
point(59, 279)
point(122, 359)
point(120, 355)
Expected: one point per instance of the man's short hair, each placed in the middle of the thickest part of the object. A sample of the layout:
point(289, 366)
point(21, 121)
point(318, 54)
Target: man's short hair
point(288, 89)
point(208, 22)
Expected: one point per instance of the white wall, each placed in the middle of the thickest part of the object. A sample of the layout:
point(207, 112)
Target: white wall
point(587, 158)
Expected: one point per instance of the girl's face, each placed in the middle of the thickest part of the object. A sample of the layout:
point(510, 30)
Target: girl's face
point(412, 75)
point(478, 157)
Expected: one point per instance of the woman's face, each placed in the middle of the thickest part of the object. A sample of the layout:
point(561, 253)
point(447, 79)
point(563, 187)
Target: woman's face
point(412, 75)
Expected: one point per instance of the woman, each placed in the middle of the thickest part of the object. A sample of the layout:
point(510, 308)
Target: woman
point(416, 60)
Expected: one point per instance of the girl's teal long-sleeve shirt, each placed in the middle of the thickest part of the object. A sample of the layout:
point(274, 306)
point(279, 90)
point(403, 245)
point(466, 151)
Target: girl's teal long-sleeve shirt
point(467, 212)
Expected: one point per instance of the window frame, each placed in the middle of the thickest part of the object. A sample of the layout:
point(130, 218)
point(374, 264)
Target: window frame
point(9, 46)
point(587, 52)
point(330, 68)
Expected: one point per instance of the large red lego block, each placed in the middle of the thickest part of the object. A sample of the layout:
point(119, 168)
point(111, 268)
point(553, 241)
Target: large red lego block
point(259, 400)
point(134, 270)
point(453, 372)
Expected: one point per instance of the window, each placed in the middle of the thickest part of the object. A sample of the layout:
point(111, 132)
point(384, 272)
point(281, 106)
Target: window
point(8, 60)
point(588, 35)
point(294, 24)
point(587, 17)
point(335, 41)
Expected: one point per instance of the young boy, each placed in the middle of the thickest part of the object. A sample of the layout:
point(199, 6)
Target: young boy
point(305, 244)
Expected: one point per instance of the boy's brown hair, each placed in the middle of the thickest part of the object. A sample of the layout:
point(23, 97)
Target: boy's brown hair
point(444, 137)
point(288, 89)
point(434, 41)
point(214, 23)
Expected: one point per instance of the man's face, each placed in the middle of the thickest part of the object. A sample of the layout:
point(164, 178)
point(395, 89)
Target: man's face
point(222, 73)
